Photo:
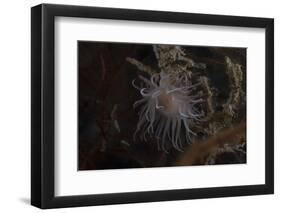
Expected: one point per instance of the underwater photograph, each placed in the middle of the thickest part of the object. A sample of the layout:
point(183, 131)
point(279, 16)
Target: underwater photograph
point(159, 105)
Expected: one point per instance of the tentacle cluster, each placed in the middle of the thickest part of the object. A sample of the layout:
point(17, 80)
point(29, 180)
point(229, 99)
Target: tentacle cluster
point(168, 108)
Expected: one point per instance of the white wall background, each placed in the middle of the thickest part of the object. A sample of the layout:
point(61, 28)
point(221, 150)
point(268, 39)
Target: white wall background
point(15, 105)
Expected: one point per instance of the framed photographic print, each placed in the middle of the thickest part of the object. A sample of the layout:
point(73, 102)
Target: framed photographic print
point(139, 106)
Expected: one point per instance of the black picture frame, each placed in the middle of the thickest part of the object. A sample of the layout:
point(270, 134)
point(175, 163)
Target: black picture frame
point(43, 117)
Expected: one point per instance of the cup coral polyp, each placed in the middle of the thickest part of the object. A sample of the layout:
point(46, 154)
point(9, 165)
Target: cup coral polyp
point(168, 108)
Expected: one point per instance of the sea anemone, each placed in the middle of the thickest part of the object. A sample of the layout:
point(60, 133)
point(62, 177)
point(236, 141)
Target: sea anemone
point(168, 108)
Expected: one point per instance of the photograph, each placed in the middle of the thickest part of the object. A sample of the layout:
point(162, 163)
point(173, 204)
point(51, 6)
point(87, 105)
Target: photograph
point(160, 105)
point(143, 105)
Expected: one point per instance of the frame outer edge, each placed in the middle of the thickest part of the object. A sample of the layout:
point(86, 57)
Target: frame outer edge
point(269, 169)
point(36, 86)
